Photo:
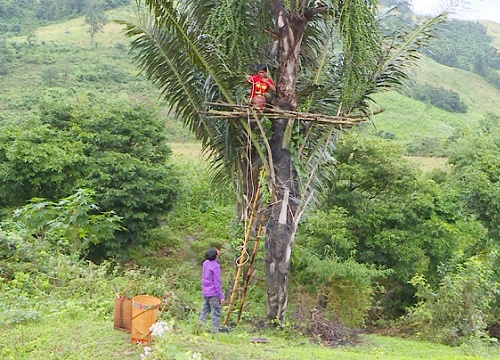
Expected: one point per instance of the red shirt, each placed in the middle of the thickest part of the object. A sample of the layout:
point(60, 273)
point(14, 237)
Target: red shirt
point(258, 86)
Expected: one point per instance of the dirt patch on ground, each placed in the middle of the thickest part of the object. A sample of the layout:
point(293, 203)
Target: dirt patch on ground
point(428, 163)
point(186, 150)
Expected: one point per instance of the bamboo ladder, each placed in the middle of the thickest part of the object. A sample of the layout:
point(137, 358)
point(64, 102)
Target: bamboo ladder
point(241, 260)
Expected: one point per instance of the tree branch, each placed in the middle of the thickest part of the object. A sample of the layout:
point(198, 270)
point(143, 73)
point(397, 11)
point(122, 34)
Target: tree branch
point(309, 12)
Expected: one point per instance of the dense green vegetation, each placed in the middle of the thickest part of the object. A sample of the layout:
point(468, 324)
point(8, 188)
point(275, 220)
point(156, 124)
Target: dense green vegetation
point(439, 97)
point(23, 16)
point(44, 288)
point(387, 247)
point(472, 53)
point(116, 150)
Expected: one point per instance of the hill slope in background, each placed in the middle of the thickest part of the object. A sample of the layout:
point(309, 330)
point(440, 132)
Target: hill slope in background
point(493, 30)
point(414, 121)
point(63, 61)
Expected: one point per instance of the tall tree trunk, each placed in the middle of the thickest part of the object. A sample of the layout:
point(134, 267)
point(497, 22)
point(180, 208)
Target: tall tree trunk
point(281, 227)
point(280, 231)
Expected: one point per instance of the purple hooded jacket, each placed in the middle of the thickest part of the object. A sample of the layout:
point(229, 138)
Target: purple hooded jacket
point(210, 279)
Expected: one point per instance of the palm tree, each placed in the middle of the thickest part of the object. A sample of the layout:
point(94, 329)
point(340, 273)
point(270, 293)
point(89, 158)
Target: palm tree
point(331, 56)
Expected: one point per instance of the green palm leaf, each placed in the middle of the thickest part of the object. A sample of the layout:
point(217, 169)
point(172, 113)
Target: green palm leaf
point(188, 69)
point(402, 51)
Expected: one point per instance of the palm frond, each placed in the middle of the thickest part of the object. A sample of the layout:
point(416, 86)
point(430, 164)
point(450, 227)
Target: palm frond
point(403, 51)
point(184, 63)
point(317, 57)
point(166, 64)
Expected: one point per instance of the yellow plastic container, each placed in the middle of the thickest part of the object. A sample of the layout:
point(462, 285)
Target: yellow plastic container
point(144, 314)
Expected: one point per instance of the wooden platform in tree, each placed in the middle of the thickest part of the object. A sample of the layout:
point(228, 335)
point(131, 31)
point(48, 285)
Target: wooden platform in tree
point(238, 111)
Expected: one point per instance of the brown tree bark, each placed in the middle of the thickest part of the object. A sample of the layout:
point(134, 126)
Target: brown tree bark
point(281, 226)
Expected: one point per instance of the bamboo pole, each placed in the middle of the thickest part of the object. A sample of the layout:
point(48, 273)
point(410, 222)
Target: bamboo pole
point(218, 110)
point(240, 259)
point(250, 269)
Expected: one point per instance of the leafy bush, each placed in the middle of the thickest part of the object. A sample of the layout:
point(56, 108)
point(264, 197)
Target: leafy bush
point(398, 219)
point(32, 270)
point(444, 99)
point(51, 75)
point(347, 287)
point(327, 234)
point(476, 159)
point(458, 309)
point(71, 224)
point(116, 150)
point(427, 146)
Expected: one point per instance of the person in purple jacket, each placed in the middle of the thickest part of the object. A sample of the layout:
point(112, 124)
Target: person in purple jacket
point(211, 288)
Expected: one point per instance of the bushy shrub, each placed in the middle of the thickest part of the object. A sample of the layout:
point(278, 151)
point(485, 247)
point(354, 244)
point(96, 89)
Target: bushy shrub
point(459, 308)
point(51, 75)
point(397, 218)
point(347, 287)
point(70, 225)
point(118, 151)
point(32, 271)
point(427, 146)
point(439, 97)
point(327, 234)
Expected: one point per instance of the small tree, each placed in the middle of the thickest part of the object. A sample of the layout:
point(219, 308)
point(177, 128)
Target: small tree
point(96, 18)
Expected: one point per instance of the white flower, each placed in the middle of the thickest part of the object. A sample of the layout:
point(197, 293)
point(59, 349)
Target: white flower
point(147, 352)
point(158, 328)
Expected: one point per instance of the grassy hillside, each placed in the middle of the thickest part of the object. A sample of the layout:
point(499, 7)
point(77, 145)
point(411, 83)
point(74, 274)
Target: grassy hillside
point(494, 31)
point(480, 96)
point(417, 123)
point(62, 63)
point(61, 60)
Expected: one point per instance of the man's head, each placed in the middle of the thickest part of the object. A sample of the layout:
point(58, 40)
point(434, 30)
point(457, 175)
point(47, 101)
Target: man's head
point(211, 253)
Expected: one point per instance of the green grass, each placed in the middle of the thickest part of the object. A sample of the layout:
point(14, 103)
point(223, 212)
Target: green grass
point(411, 121)
point(83, 336)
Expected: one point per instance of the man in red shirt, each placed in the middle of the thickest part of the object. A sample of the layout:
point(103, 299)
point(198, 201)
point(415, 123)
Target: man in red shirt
point(260, 85)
